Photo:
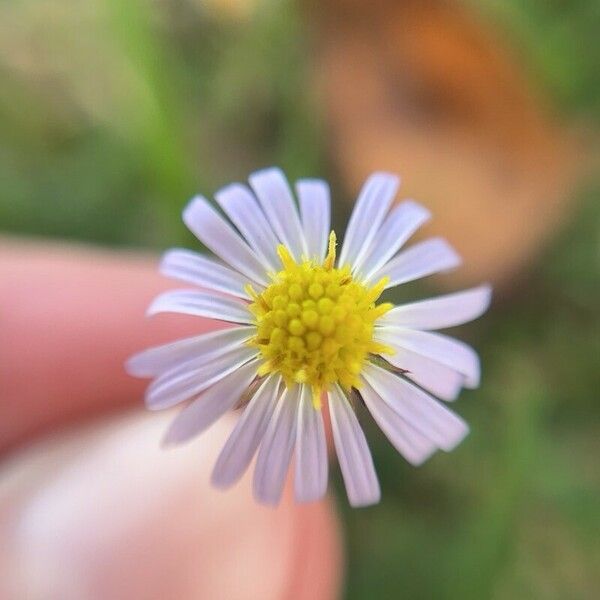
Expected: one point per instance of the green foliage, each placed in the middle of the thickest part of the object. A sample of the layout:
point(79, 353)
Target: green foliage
point(117, 115)
point(560, 42)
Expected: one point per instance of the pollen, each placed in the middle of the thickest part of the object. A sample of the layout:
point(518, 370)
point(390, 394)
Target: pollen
point(315, 323)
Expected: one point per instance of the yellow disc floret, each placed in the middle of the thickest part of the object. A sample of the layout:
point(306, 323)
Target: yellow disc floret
point(315, 323)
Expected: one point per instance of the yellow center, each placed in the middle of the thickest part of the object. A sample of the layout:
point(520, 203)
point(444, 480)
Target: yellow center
point(315, 323)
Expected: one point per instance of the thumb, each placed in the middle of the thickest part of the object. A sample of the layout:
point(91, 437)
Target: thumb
point(102, 512)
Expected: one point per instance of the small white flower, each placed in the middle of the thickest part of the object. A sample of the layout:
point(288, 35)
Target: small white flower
point(307, 324)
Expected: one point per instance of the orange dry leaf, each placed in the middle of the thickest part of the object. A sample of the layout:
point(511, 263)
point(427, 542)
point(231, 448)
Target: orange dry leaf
point(425, 89)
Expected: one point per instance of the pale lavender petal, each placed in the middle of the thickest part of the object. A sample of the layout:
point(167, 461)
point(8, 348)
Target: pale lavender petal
point(276, 449)
point(448, 351)
point(353, 452)
point(373, 203)
point(418, 409)
point(241, 207)
point(431, 256)
point(199, 270)
point(202, 304)
point(215, 402)
point(275, 197)
point(220, 237)
point(443, 311)
point(315, 213)
point(247, 434)
point(400, 224)
point(154, 361)
point(193, 377)
point(414, 446)
point(440, 380)
point(311, 451)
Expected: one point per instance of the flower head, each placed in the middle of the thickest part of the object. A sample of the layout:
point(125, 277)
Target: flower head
point(309, 324)
point(316, 324)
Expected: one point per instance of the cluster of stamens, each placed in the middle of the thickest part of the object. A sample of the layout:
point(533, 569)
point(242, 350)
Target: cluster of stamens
point(315, 323)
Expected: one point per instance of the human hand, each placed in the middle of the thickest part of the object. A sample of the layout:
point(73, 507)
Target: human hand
point(90, 505)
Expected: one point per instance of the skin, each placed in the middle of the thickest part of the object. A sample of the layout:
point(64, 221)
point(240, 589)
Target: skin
point(90, 506)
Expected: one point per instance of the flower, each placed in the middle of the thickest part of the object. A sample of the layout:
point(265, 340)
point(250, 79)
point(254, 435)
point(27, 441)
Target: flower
point(309, 324)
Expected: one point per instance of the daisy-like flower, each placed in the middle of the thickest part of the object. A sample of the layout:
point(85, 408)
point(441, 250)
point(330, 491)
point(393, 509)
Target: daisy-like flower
point(307, 324)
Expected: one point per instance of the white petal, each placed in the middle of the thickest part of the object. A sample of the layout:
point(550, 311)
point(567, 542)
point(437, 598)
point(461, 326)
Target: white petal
point(276, 449)
point(401, 223)
point(372, 205)
point(414, 446)
point(247, 434)
point(443, 311)
point(315, 212)
point(204, 411)
point(202, 304)
point(241, 207)
point(217, 235)
point(443, 349)
point(353, 452)
point(199, 270)
point(420, 260)
point(440, 380)
point(153, 361)
point(193, 377)
point(418, 409)
point(311, 451)
point(275, 197)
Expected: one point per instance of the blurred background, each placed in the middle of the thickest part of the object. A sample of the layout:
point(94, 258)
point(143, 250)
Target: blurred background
point(114, 112)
